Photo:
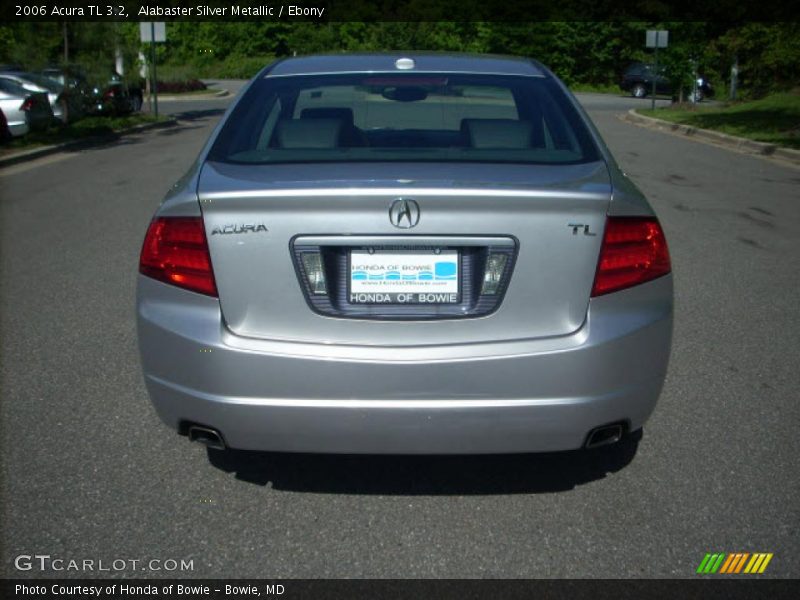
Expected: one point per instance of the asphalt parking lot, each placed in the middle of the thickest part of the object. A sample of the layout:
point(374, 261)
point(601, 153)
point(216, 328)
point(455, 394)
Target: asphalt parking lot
point(89, 472)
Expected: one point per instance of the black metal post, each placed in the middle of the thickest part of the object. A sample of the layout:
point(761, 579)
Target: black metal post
point(655, 75)
point(153, 60)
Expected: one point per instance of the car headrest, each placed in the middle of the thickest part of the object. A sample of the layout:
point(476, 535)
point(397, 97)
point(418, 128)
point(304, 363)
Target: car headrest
point(329, 112)
point(497, 133)
point(309, 133)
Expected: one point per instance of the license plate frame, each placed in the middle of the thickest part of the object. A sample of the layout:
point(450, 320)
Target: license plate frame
point(425, 277)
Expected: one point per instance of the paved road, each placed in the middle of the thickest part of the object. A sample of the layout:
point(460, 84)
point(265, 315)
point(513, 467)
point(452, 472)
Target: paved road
point(90, 473)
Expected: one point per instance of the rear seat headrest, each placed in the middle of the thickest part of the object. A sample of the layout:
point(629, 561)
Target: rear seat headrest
point(329, 112)
point(309, 133)
point(497, 133)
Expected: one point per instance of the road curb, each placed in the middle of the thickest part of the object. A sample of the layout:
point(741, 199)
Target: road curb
point(192, 97)
point(18, 157)
point(731, 141)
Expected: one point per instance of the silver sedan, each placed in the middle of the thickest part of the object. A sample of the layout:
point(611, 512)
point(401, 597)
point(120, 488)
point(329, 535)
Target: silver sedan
point(405, 254)
point(24, 110)
point(42, 85)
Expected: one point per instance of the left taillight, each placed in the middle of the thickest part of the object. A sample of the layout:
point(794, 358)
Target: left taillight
point(175, 251)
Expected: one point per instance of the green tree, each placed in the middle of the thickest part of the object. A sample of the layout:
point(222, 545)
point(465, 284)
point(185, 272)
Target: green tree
point(768, 55)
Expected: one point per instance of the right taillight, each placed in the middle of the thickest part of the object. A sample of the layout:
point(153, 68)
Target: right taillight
point(27, 105)
point(175, 251)
point(634, 251)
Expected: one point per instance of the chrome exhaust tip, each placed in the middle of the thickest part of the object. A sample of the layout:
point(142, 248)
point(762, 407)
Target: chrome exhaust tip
point(604, 436)
point(205, 435)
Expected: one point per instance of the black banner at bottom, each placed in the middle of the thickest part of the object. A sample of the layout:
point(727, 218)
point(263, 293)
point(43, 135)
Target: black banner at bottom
point(351, 589)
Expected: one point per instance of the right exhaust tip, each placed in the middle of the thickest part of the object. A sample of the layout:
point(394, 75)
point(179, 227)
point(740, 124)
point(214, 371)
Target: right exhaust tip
point(205, 435)
point(605, 435)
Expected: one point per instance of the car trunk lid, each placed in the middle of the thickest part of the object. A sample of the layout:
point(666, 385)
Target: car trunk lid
point(258, 216)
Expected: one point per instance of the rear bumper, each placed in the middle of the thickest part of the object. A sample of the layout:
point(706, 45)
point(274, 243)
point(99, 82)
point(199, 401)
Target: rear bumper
point(505, 396)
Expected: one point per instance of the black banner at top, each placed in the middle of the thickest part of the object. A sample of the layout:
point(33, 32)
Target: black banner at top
point(654, 11)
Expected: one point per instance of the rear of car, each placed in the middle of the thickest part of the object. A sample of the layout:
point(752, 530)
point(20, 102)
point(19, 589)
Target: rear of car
point(116, 97)
point(24, 110)
point(12, 98)
point(39, 84)
point(38, 112)
point(418, 255)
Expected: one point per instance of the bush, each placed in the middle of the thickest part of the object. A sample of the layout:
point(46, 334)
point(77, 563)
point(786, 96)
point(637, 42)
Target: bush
point(237, 67)
point(180, 72)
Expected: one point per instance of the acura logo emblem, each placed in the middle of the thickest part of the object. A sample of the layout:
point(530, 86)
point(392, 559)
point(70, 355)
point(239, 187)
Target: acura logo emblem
point(404, 213)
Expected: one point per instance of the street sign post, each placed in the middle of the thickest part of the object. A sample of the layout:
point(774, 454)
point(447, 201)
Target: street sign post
point(656, 39)
point(153, 32)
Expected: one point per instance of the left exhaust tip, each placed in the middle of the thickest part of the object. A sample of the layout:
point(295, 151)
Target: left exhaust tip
point(605, 435)
point(207, 436)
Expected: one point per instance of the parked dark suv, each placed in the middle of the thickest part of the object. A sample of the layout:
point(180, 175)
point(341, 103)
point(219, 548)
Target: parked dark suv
point(638, 80)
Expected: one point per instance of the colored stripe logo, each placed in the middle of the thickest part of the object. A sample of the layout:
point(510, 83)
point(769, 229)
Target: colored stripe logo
point(734, 562)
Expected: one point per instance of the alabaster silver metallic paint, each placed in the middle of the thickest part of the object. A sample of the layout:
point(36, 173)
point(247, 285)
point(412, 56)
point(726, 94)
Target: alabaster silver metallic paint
point(520, 396)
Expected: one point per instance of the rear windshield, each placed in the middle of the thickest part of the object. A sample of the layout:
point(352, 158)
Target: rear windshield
point(44, 82)
point(12, 87)
point(404, 117)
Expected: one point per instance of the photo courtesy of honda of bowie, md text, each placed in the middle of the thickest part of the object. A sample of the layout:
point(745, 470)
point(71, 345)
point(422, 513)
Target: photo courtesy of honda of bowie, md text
point(189, 589)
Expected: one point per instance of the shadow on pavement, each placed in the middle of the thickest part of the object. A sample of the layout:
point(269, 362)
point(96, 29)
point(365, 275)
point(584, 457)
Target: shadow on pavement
point(427, 475)
point(196, 115)
point(111, 140)
point(180, 128)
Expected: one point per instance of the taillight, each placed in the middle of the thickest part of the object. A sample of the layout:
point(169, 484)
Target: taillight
point(28, 104)
point(634, 251)
point(175, 251)
point(109, 93)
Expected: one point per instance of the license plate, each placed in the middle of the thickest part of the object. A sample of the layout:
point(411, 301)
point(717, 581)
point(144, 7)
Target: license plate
point(404, 277)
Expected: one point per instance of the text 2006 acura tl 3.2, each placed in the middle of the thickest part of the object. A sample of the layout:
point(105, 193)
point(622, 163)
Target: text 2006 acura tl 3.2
point(405, 254)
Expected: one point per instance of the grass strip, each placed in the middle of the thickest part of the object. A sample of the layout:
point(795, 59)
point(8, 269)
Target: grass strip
point(774, 119)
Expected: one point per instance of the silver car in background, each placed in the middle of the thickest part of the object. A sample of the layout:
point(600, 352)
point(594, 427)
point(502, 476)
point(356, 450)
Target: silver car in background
point(34, 83)
point(24, 110)
point(410, 254)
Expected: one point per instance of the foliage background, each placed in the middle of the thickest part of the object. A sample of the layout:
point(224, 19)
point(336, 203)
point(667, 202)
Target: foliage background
point(583, 53)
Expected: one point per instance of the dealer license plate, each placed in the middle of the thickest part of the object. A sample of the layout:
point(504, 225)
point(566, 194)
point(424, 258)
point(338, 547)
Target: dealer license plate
point(404, 277)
